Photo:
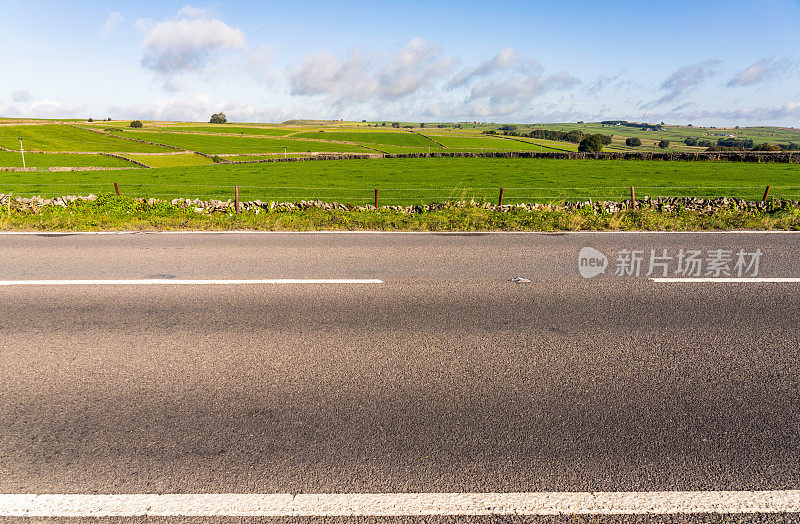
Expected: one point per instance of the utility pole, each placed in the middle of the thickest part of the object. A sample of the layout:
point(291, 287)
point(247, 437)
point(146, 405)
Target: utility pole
point(22, 152)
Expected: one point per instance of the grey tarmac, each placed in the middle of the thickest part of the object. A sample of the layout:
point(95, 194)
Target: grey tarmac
point(444, 378)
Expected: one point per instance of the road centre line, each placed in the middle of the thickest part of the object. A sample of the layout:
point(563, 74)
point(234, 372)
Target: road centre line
point(732, 280)
point(399, 504)
point(173, 282)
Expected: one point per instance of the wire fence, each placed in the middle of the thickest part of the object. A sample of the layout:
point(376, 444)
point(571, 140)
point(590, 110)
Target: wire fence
point(396, 195)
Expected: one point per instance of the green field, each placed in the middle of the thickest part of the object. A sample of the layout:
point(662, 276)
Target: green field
point(254, 158)
point(215, 144)
point(46, 160)
point(400, 180)
point(55, 137)
point(218, 129)
point(676, 134)
point(404, 181)
point(182, 160)
point(503, 144)
point(371, 137)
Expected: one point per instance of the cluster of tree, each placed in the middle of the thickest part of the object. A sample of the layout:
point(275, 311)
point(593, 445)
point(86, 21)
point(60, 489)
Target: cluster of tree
point(759, 147)
point(591, 144)
point(586, 143)
point(663, 144)
point(737, 143)
point(766, 147)
point(573, 136)
point(633, 142)
point(136, 124)
point(218, 118)
point(639, 125)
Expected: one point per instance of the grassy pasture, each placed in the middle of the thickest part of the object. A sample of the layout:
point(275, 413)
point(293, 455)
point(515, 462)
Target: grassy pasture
point(676, 134)
point(252, 158)
point(371, 137)
point(404, 181)
point(220, 129)
point(183, 160)
point(55, 137)
point(215, 144)
point(45, 160)
point(399, 150)
point(503, 144)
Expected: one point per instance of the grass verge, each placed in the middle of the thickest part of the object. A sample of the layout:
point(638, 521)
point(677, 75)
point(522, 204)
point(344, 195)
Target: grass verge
point(110, 212)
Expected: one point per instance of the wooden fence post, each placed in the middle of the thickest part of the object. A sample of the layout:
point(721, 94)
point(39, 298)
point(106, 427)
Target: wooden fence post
point(500, 200)
point(376, 198)
point(766, 193)
point(633, 198)
point(116, 188)
point(236, 203)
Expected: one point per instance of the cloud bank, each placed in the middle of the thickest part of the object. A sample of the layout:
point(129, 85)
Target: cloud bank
point(189, 43)
point(761, 71)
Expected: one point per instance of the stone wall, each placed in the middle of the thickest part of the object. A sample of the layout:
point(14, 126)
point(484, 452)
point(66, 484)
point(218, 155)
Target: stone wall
point(662, 204)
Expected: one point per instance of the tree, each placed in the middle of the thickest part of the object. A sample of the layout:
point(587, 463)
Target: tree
point(136, 124)
point(396, 124)
point(691, 141)
point(574, 136)
point(633, 142)
point(91, 120)
point(663, 144)
point(591, 144)
point(218, 118)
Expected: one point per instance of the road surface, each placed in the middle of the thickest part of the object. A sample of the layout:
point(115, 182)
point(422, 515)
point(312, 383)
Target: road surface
point(440, 376)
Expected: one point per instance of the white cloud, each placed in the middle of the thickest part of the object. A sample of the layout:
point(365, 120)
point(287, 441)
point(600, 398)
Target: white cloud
point(349, 79)
point(42, 109)
point(684, 80)
point(188, 43)
point(189, 11)
point(760, 71)
point(415, 66)
point(502, 61)
point(505, 96)
point(360, 78)
point(21, 95)
point(199, 107)
point(113, 21)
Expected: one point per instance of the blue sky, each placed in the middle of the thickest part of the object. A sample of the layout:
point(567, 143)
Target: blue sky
point(706, 63)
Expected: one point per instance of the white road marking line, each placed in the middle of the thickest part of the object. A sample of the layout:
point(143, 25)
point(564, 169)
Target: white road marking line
point(400, 504)
point(735, 280)
point(174, 282)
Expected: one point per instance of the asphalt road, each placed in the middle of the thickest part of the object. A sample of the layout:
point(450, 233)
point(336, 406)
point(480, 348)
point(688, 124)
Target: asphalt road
point(445, 378)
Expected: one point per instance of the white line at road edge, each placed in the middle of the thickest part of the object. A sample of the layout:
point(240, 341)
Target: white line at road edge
point(165, 281)
point(400, 504)
point(734, 280)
